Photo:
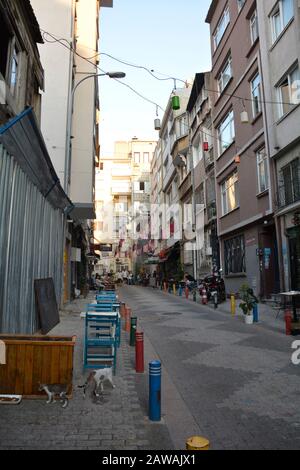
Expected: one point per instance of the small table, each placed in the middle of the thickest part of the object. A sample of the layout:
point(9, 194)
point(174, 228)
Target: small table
point(293, 294)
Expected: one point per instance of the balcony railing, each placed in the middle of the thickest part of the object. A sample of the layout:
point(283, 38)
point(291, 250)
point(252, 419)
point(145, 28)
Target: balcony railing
point(289, 194)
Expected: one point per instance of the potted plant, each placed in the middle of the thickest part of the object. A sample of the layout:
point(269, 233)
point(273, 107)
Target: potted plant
point(248, 302)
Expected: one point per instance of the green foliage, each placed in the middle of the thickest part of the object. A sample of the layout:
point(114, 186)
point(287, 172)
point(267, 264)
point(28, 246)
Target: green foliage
point(248, 299)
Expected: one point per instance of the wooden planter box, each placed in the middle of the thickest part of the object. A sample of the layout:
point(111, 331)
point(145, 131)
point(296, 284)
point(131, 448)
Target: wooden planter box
point(31, 360)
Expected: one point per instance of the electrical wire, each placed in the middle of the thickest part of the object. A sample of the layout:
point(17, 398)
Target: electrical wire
point(62, 41)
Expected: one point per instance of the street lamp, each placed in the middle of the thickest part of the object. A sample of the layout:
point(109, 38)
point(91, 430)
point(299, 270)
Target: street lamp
point(115, 75)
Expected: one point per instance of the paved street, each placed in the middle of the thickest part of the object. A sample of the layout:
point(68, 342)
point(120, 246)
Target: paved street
point(234, 384)
point(120, 423)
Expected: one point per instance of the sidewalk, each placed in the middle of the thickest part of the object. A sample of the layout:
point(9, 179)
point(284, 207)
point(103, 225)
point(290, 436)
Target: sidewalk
point(120, 423)
point(268, 317)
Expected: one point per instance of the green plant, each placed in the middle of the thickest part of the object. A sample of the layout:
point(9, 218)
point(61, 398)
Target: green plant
point(248, 299)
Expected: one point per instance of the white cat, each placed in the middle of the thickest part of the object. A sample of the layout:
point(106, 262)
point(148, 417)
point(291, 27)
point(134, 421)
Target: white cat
point(97, 378)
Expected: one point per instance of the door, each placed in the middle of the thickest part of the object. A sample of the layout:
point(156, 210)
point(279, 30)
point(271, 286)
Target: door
point(294, 246)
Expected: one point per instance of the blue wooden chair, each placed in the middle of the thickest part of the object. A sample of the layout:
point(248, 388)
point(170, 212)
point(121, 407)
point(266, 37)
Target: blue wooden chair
point(100, 341)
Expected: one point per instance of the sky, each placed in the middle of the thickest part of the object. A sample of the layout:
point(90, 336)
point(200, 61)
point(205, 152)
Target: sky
point(167, 36)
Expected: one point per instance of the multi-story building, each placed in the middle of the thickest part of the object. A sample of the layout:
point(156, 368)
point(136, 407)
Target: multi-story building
point(279, 26)
point(123, 204)
point(244, 199)
point(203, 174)
point(70, 116)
point(33, 202)
point(174, 193)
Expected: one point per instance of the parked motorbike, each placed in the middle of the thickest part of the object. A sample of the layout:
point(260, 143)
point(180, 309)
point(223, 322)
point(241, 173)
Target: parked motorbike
point(215, 287)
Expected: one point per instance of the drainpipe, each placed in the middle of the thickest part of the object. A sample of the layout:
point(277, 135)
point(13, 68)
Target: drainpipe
point(273, 183)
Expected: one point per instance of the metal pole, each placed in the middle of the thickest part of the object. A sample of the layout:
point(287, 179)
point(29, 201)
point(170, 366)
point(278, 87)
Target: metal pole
point(155, 391)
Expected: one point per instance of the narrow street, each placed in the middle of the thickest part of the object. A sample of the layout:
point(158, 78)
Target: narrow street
point(234, 384)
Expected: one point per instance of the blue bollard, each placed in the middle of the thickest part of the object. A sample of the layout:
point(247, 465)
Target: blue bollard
point(155, 391)
point(255, 313)
point(180, 291)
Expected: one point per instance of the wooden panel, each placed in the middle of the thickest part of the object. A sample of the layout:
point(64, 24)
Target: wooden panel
point(30, 362)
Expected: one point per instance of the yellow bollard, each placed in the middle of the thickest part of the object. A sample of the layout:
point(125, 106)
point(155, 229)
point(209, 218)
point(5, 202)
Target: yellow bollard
point(233, 304)
point(197, 443)
point(174, 289)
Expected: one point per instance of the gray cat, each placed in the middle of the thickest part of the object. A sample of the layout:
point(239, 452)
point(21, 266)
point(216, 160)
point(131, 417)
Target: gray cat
point(55, 390)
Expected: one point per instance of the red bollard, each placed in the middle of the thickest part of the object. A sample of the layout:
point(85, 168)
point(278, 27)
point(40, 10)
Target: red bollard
point(288, 322)
point(127, 325)
point(139, 353)
point(187, 292)
point(123, 310)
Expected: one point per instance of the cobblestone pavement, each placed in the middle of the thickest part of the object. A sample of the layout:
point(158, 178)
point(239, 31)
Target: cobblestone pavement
point(237, 380)
point(120, 423)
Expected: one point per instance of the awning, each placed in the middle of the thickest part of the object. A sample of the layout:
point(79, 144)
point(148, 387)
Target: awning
point(23, 140)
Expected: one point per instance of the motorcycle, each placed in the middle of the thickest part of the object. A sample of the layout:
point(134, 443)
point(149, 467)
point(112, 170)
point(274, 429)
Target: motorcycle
point(215, 287)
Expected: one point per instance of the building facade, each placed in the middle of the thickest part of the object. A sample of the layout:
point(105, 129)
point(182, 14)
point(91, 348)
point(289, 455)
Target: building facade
point(279, 26)
point(33, 202)
point(203, 175)
point(70, 119)
point(246, 229)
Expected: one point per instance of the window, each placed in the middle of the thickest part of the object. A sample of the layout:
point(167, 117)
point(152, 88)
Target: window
point(221, 28)
point(137, 157)
point(290, 187)
point(225, 75)
point(226, 133)
point(280, 17)
point(240, 3)
point(146, 157)
point(230, 194)
point(262, 170)
point(234, 254)
point(13, 72)
point(256, 96)
point(5, 39)
point(101, 166)
point(254, 27)
point(288, 92)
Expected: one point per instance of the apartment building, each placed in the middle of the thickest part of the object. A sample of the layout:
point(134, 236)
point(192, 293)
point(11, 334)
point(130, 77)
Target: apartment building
point(173, 189)
point(123, 205)
point(246, 227)
point(279, 26)
point(70, 117)
point(203, 175)
point(33, 202)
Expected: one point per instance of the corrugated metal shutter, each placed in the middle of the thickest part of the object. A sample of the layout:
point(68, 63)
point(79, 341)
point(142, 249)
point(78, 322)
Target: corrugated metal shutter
point(31, 246)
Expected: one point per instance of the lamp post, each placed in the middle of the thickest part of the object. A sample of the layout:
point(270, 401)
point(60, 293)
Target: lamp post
point(115, 75)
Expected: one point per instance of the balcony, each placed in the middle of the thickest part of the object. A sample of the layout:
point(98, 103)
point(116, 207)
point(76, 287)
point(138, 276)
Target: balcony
point(209, 159)
point(186, 186)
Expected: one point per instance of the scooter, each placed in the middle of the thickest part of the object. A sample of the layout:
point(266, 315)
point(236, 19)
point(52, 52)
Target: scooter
point(215, 287)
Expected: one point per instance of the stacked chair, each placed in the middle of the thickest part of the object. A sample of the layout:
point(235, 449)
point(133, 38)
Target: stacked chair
point(102, 331)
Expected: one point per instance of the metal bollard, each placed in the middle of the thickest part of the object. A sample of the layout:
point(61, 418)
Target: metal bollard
point(255, 313)
point(127, 319)
point(195, 296)
point(139, 353)
point(170, 288)
point(187, 293)
point(133, 326)
point(155, 391)
point(233, 305)
point(215, 296)
point(197, 443)
point(288, 322)
point(123, 309)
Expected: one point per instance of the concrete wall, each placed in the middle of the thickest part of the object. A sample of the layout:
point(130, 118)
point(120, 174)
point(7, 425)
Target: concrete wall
point(57, 18)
